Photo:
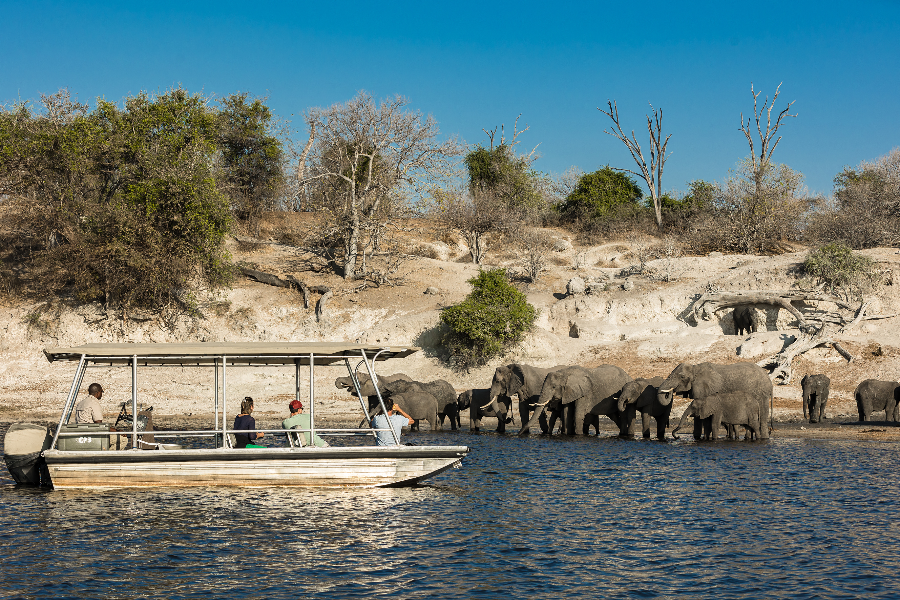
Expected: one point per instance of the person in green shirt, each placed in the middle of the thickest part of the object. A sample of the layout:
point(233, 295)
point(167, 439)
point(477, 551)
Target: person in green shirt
point(301, 421)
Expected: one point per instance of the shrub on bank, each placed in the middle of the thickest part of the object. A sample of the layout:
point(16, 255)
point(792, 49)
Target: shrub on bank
point(494, 316)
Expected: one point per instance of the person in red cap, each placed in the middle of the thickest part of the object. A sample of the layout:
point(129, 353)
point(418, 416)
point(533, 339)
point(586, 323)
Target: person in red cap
point(299, 420)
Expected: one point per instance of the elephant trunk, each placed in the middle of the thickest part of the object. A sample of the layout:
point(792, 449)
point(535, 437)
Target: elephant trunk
point(534, 420)
point(681, 423)
point(665, 396)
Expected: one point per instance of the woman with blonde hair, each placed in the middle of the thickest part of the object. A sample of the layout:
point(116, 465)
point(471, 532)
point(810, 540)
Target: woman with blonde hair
point(245, 422)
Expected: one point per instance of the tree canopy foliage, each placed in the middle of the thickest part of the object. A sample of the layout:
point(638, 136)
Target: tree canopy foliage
point(252, 156)
point(598, 193)
point(122, 204)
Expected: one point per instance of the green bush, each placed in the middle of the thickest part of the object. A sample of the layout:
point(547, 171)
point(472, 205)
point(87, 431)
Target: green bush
point(841, 271)
point(601, 193)
point(493, 317)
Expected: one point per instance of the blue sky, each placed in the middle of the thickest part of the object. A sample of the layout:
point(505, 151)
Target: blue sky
point(476, 65)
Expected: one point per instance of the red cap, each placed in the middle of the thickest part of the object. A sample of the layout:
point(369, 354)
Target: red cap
point(295, 405)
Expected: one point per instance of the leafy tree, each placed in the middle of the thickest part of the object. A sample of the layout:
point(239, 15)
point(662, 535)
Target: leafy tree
point(866, 211)
point(119, 204)
point(841, 271)
point(494, 316)
point(600, 192)
point(499, 172)
point(503, 190)
point(252, 156)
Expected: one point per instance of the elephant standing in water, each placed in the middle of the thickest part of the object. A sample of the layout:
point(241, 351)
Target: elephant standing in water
point(479, 404)
point(815, 396)
point(641, 396)
point(733, 408)
point(523, 381)
point(872, 395)
point(585, 392)
point(705, 379)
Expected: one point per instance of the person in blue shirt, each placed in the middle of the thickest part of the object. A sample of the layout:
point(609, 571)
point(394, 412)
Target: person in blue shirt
point(397, 421)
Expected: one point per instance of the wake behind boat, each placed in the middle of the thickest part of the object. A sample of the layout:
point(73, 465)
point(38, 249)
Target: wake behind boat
point(79, 455)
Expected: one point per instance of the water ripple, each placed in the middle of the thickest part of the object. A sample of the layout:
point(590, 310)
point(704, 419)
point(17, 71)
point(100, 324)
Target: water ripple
point(554, 518)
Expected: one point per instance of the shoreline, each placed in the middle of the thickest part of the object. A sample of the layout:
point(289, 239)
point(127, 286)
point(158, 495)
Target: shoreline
point(884, 431)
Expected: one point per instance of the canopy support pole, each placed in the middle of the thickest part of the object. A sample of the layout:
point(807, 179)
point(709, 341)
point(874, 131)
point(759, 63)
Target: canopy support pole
point(70, 399)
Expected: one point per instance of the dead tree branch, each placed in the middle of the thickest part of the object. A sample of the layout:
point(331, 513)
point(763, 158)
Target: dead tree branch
point(652, 175)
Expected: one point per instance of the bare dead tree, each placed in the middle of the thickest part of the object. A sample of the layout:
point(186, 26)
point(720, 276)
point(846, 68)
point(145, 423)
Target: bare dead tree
point(652, 174)
point(766, 146)
point(374, 153)
point(492, 134)
point(302, 191)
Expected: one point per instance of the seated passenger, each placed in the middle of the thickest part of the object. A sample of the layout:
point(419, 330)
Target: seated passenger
point(245, 422)
point(88, 410)
point(301, 421)
point(384, 438)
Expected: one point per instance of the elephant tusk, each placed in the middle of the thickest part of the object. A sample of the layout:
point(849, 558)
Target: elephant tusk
point(544, 404)
point(662, 391)
point(486, 405)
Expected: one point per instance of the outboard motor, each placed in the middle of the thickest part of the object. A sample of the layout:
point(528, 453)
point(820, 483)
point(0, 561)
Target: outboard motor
point(22, 448)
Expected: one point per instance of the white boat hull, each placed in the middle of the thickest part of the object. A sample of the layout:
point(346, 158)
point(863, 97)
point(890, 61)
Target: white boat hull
point(393, 466)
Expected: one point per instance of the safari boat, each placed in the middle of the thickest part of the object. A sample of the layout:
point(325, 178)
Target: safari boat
point(78, 456)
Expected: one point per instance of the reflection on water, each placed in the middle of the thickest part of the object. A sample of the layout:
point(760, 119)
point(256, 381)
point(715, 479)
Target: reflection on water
point(551, 518)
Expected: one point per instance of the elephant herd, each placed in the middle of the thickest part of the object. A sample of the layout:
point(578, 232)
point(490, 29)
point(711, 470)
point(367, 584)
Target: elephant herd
point(734, 396)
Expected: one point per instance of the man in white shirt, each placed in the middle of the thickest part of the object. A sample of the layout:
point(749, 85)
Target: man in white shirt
point(88, 410)
point(384, 438)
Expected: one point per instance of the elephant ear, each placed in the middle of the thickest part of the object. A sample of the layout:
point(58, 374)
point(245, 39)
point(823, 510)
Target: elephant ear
point(576, 386)
point(516, 380)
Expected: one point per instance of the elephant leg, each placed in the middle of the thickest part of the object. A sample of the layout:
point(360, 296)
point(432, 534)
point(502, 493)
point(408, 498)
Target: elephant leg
point(714, 425)
point(661, 424)
point(698, 428)
point(524, 412)
point(454, 419)
point(501, 423)
point(554, 417)
point(645, 425)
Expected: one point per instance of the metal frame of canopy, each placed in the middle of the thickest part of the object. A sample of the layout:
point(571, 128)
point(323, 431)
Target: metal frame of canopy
point(219, 356)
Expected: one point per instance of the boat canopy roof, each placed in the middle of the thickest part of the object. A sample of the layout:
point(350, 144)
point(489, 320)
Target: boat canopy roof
point(236, 353)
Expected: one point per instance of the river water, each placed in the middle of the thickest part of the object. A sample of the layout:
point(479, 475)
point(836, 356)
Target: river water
point(523, 518)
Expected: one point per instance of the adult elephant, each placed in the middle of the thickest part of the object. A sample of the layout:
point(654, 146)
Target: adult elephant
point(442, 391)
point(641, 396)
point(815, 396)
point(479, 405)
point(873, 395)
point(523, 381)
point(732, 408)
point(365, 384)
point(705, 379)
point(419, 405)
point(586, 392)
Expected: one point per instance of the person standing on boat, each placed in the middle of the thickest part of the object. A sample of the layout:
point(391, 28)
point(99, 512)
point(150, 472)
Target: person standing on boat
point(245, 422)
point(88, 410)
point(300, 420)
point(384, 438)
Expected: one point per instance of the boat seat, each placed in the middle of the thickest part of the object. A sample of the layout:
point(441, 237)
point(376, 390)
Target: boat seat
point(295, 439)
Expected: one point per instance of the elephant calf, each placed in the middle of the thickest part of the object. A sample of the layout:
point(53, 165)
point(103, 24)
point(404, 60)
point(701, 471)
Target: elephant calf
point(480, 405)
point(873, 395)
point(731, 408)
